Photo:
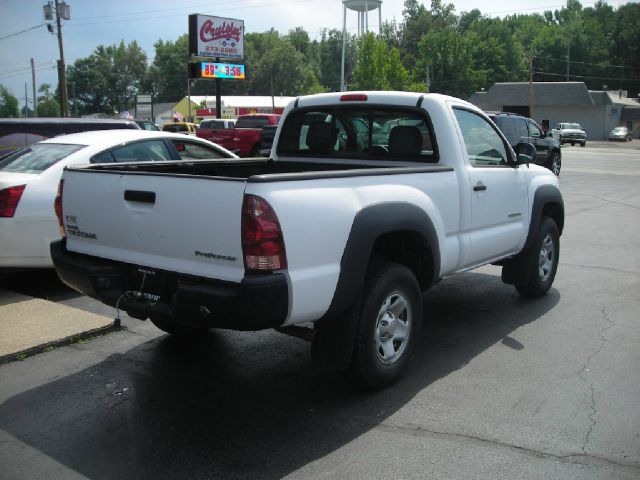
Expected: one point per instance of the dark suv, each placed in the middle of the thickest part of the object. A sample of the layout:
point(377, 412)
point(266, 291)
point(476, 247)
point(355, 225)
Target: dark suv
point(522, 129)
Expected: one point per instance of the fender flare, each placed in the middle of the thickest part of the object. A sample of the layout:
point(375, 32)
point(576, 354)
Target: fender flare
point(515, 271)
point(545, 195)
point(336, 330)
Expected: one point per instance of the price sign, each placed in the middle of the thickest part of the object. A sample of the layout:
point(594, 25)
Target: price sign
point(222, 70)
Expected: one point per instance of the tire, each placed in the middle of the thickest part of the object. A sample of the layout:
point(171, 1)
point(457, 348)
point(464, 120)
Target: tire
point(555, 163)
point(389, 325)
point(583, 144)
point(545, 253)
point(255, 151)
point(573, 144)
point(179, 329)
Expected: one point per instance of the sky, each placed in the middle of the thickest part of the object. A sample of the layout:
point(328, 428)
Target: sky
point(108, 22)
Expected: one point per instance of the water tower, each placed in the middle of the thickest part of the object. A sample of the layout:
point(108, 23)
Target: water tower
point(362, 7)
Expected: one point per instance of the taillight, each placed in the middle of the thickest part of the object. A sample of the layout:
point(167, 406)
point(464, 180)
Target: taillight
point(262, 242)
point(57, 206)
point(9, 198)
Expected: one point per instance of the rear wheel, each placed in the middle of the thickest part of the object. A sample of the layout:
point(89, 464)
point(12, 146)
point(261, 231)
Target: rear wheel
point(389, 325)
point(583, 144)
point(545, 253)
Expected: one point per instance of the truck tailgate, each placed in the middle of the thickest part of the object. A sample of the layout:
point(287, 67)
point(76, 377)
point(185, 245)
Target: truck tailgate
point(170, 222)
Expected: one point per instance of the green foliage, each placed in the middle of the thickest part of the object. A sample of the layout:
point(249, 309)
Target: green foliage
point(8, 103)
point(167, 75)
point(378, 66)
point(48, 108)
point(109, 78)
point(283, 70)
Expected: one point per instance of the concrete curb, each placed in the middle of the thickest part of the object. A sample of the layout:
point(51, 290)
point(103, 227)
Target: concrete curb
point(62, 342)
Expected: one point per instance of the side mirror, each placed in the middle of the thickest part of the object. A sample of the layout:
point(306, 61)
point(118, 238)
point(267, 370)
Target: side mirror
point(526, 153)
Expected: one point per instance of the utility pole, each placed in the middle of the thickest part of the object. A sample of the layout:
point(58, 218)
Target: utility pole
point(189, 96)
point(33, 81)
point(568, 53)
point(62, 11)
point(428, 79)
point(75, 100)
point(531, 84)
point(273, 102)
point(343, 86)
point(26, 101)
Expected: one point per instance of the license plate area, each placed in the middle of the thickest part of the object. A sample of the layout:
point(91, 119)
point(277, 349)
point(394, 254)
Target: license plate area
point(153, 284)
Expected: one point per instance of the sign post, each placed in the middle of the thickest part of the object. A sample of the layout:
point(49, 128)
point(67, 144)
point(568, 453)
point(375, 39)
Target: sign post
point(144, 106)
point(216, 37)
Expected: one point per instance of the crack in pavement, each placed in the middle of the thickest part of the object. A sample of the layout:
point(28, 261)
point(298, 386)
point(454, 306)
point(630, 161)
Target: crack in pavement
point(573, 458)
point(606, 201)
point(598, 267)
point(586, 368)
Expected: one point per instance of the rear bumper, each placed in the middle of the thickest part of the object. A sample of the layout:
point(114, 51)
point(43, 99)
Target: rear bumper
point(256, 303)
point(24, 242)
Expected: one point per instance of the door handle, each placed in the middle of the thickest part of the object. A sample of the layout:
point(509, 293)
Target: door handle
point(479, 187)
point(140, 196)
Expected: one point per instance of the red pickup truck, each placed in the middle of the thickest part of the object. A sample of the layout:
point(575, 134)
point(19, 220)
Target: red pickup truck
point(244, 139)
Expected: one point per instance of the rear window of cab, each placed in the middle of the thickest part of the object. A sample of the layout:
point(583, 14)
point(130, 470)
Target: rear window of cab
point(371, 133)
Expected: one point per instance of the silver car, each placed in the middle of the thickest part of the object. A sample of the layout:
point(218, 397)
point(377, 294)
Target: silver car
point(620, 133)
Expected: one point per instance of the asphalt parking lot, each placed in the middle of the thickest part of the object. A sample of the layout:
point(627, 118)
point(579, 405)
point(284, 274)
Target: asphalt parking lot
point(501, 388)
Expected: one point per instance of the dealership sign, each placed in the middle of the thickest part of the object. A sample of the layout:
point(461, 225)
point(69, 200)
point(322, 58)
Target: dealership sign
point(216, 37)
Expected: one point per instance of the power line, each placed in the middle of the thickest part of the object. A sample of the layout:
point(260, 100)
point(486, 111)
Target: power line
point(588, 77)
point(27, 72)
point(21, 31)
point(587, 63)
point(233, 5)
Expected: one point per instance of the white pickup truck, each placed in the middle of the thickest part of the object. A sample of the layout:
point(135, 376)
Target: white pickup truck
point(367, 200)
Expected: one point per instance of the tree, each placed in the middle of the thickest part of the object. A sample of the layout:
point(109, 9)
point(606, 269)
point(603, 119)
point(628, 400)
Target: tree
point(48, 106)
point(8, 103)
point(329, 58)
point(396, 75)
point(168, 73)
point(283, 70)
point(369, 72)
point(449, 55)
point(129, 69)
point(108, 79)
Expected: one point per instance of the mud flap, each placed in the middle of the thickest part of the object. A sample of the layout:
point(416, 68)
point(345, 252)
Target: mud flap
point(334, 339)
point(517, 270)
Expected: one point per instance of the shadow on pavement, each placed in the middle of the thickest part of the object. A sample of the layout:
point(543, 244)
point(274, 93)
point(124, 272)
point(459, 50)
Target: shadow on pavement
point(39, 283)
point(248, 407)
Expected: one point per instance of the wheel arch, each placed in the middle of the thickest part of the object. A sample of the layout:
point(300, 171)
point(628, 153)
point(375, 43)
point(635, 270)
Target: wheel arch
point(395, 231)
point(547, 201)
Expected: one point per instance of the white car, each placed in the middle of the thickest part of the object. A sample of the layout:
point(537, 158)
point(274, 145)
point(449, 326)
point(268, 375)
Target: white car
point(29, 181)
